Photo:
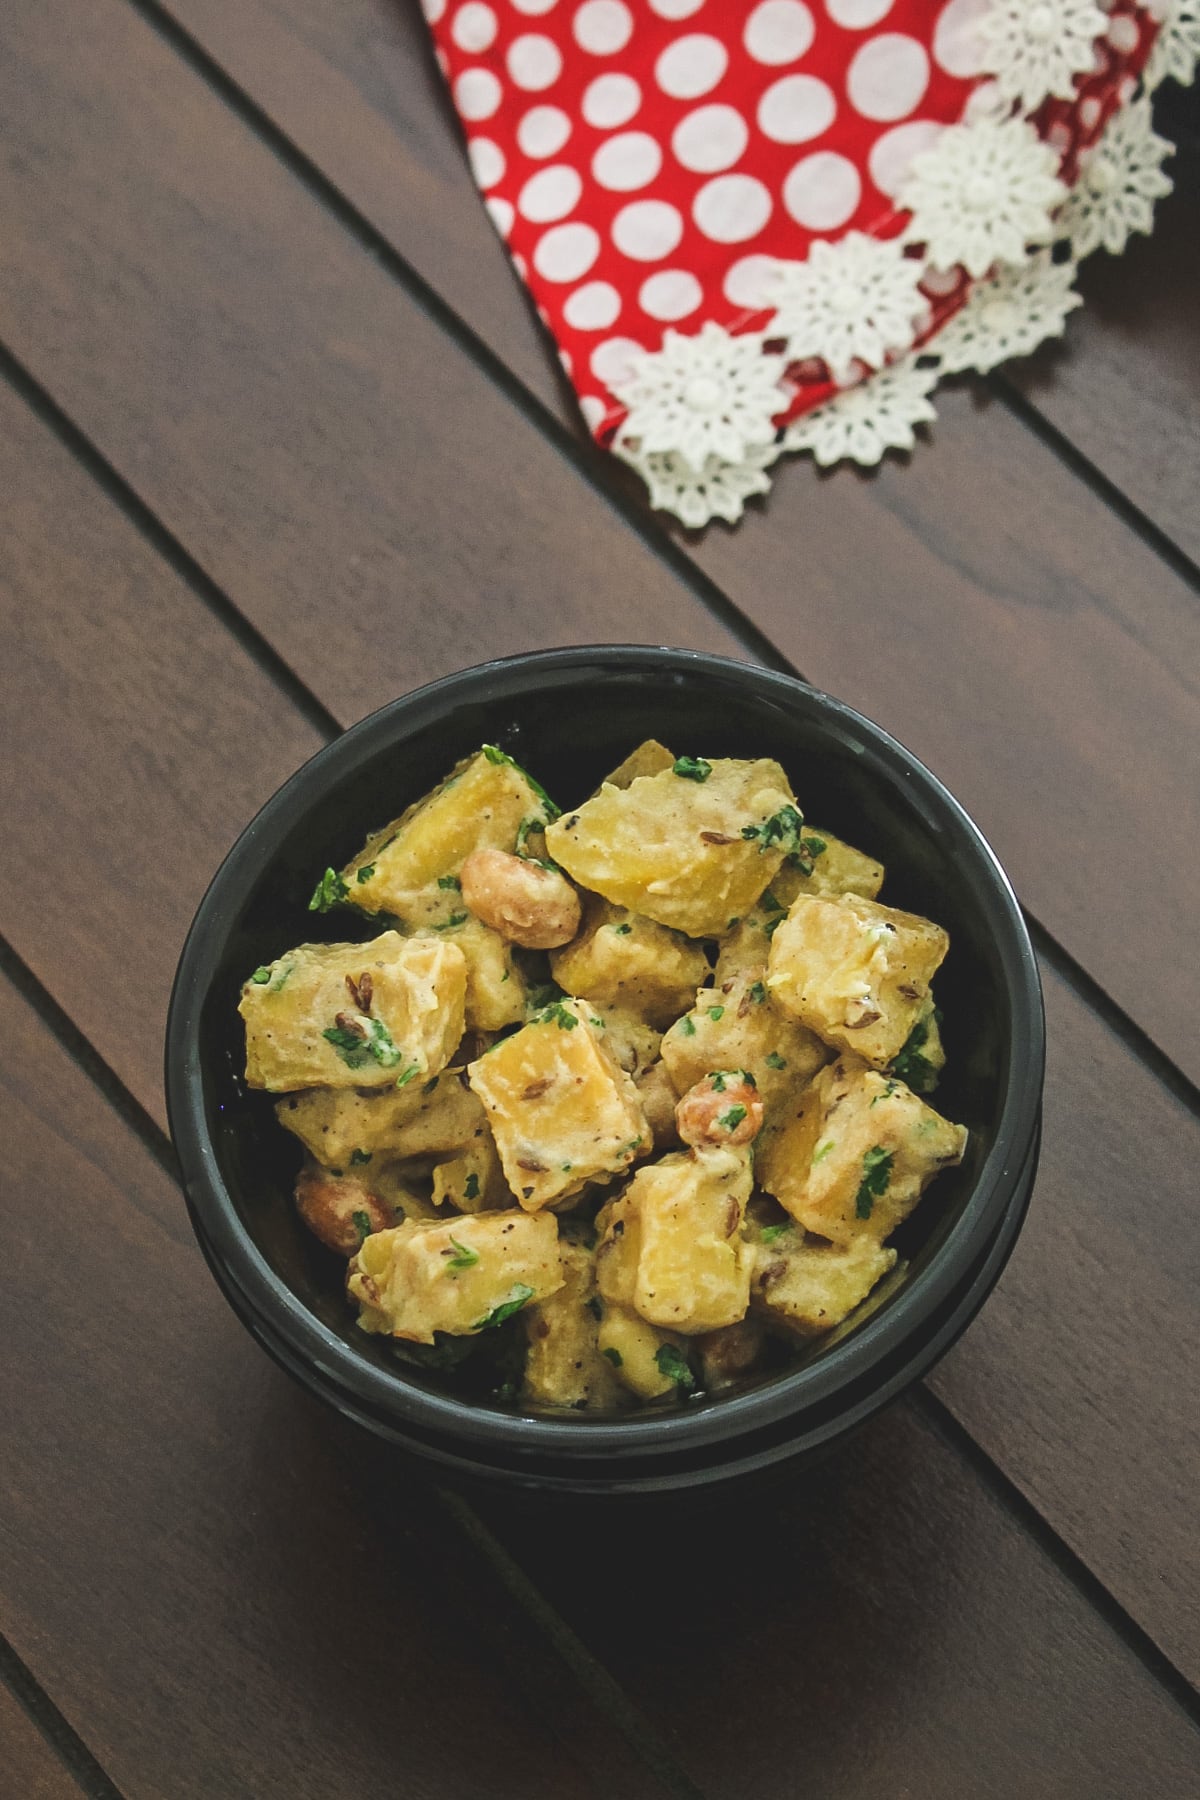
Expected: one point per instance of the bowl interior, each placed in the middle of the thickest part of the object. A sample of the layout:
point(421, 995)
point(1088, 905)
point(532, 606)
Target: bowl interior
point(569, 723)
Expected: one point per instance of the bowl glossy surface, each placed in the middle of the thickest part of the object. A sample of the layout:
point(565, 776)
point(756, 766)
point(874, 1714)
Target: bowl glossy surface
point(569, 716)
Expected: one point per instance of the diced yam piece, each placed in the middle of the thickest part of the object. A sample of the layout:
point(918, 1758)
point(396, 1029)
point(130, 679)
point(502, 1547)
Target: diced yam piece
point(675, 850)
point(619, 959)
point(923, 1057)
point(354, 1015)
point(423, 1277)
point(340, 1209)
point(649, 1362)
point(561, 1110)
point(473, 1181)
point(650, 758)
point(836, 868)
point(563, 1365)
point(481, 805)
point(739, 1026)
point(728, 1354)
point(856, 1153)
point(673, 1246)
point(808, 1287)
point(855, 972)
point(423, 1118)
point(496, 991)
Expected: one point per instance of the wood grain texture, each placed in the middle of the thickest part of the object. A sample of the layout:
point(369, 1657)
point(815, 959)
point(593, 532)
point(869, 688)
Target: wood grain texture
point(188, 1568)
point(1125, 386)
point(981, 602)
point(321, 447)
point(876, 1627)
point(1080, 1376)
point(29, 1769)
point(120, 794)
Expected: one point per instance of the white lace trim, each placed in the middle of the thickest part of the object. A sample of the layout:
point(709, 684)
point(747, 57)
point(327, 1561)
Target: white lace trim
point(856, 300)
point(861, 423)
point(1118, 184)
point(718, 491)
point(1035, 48)
point(982, 194)
point(1008, 315)
point(1176, 48)
point(699, 397)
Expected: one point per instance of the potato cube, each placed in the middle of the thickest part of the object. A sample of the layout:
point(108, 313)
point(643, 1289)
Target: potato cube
point(673, 1246)
point(836, 868)
point(856, 1153)
point(343, 1128)
point(619, 959)
point(650, 758)
point(649, 1362)
point(482, 804)
point(462, 1277)
point(741, 1027)
point(561, 1110)
point(693, 854)
point(496, 993)
point(807, 1287)
point(855, 972)
point(564, 1365)
point(354, 1015)
point(472, 1181)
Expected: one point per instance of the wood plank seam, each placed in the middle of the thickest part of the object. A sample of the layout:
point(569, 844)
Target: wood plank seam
point(1084, 469)
point(313, 709)
point(600, 470)
point(606, 1693)
point(597, 467)
point(177, 557)
point(58, 1732)
point(1067, 1561)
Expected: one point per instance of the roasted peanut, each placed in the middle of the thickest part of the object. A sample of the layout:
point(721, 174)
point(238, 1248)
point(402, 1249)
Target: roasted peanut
point(339, 1209)
point(527, 904)
point(725, 1108)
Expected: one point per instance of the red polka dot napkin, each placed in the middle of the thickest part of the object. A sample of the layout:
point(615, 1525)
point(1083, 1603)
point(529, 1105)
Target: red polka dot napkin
point(759, 225)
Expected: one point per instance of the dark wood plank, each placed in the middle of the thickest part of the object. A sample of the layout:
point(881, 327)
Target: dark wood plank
point(328, 454)
point(879, 1626)
point(29, 1769)
point(983, 603)
point(125, 789)
point(1080, 1377)
point(189, 1569)
point(1076, 1393)
point(1125, 386)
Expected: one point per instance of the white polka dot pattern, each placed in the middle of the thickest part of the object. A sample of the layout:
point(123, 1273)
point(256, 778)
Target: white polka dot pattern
point(796, 109)
point(888, 77)
point(628, 161)
point(822, 191)
point(779, 31)
point(691, 66)
point(543, 131)
point(534, 62)
point(593, 307)
point(732, 208)
point(550, 194)
point(474, 27)
point(711, 138)
point(670, 295)
point(611, 100)
point(602, 27)
point(647, 229)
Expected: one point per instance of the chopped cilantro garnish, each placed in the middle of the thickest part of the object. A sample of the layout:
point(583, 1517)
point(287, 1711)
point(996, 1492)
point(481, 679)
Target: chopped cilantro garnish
point(557, 1014)
point(769, 903)
point(781, 830)
point(624, 929)
point(911, 1064)
point(758, 992)
point(362, 1221)
point(261, 975)
point(464, 1257)
point(692, 768)
point(877, 1171)
point(458, 918)
point(329, 891)
point(775, 1061)
point(449, 881)
point(815, 846)
point(674, 1365)
point(372, 1040)
point(516, 1300)
point(774, 1231)
point(729, 1121)
point(687, 1025)
point(886, 1094)
point(614, 1357)
point(495, 755)
point(471, 1187)
point(822, 1150)
point(359, 1157)
point(365, 873)
point(715, 1013)
point(718, 1081)
point(407, 1075)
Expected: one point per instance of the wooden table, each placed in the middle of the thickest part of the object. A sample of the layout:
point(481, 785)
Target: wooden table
point(279, 440)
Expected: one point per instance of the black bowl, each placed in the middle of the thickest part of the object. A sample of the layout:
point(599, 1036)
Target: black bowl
point(569, 716)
